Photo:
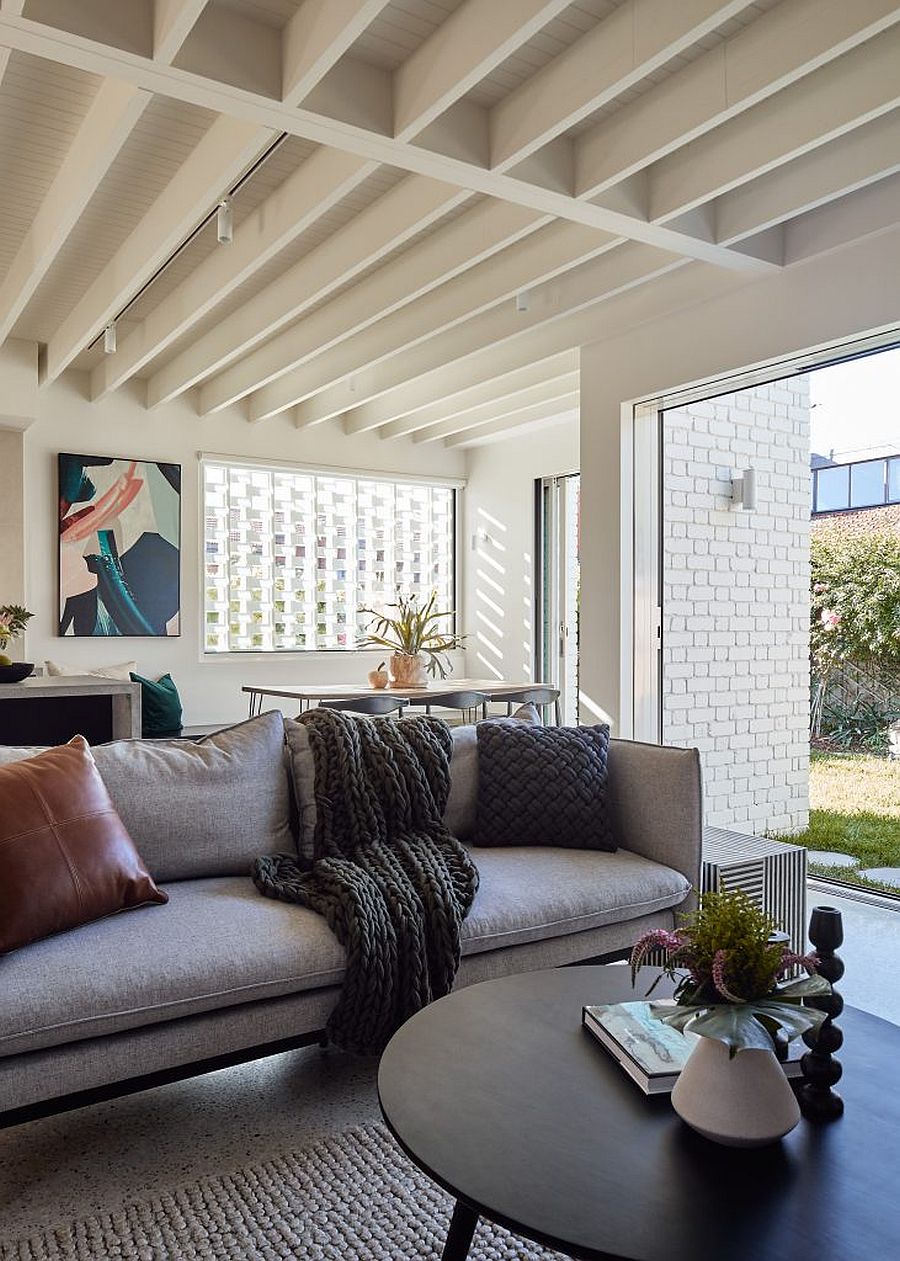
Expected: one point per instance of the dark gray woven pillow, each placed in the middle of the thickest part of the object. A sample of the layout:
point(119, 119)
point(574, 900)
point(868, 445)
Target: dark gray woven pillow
point(543, 786)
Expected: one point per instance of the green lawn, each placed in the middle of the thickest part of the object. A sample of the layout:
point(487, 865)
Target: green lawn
point(854, 808)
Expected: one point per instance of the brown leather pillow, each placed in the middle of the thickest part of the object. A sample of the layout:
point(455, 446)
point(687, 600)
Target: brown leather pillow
point(65, 857)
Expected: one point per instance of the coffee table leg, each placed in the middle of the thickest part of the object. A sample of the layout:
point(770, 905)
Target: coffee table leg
point(459, 1236)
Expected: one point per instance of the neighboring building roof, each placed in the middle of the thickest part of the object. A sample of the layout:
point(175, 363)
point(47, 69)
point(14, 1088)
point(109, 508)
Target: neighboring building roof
point(820, 461)
point(878, 519)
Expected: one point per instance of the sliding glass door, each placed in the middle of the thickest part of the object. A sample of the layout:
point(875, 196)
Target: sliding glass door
point(558, 507)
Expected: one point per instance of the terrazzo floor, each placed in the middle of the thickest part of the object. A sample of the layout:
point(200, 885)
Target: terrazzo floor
point(103, 1156)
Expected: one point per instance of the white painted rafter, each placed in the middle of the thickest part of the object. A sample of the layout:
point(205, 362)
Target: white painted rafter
point(343, 133)
point(637, 38)
point(547, 394)
point(828, 103)
point(475, 396)
point(105, 128)
point(173, 21)
point(219, 158)
point(843, 165)
point(396, 216)
point(476, 235)
point(472, 42)
point(318, 184)
point(398, 379)
point(554, 249)
point(781, 47)
point(565, 405)
point(11, 8)
point(316, 38)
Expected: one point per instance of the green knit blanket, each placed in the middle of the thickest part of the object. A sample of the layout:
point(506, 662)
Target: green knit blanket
point(391, 881)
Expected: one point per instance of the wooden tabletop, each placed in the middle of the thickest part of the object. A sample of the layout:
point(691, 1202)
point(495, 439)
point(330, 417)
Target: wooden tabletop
point(499, 1095)
point(342, 691)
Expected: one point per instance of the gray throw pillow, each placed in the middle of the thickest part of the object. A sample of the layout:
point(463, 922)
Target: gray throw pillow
point(199, 808)
point(543, 786)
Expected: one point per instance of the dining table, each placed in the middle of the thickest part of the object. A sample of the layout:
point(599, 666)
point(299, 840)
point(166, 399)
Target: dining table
point(309, 694)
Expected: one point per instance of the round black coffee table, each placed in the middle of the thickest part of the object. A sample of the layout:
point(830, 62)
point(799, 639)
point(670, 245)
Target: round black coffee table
point(501, 1097)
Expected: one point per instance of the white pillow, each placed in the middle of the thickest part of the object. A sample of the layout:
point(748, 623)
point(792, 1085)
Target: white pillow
point(121, 672)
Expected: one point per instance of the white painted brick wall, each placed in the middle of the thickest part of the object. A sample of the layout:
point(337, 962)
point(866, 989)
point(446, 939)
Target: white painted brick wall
point(735, 603)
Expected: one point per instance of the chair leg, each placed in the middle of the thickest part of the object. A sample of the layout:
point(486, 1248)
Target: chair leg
point(557, 712)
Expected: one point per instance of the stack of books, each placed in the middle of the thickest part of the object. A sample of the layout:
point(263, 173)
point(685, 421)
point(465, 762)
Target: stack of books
point(651, 1052)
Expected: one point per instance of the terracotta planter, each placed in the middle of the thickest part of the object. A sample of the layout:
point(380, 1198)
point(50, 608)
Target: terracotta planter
point(407, 671)
point(741, 1102)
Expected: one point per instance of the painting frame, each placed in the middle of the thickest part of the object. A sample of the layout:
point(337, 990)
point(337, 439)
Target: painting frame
point(119, 535)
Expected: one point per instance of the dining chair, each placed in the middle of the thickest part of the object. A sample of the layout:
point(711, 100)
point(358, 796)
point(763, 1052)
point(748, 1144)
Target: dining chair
point(370, 706)
point(468, 702)
point(540, 696)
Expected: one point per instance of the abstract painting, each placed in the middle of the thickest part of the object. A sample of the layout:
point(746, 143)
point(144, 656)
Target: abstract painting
point(119, 546)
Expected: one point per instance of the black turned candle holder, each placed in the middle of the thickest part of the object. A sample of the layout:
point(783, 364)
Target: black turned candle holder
point(821, 1071)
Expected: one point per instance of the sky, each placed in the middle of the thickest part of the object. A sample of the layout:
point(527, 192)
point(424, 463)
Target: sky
point(856, 406)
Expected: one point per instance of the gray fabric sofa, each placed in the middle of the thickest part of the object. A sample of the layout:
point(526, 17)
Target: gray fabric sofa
point(221, 973)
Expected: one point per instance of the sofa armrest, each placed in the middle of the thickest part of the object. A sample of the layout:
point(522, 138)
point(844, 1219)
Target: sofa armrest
point(656, 802)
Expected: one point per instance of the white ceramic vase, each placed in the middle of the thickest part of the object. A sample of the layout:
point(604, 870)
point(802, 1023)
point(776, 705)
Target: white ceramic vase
point(741, 1102)
point(406, 671)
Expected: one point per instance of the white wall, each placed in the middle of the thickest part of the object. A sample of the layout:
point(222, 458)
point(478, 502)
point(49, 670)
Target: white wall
point(736, 602)
point(120, 426)
point(500, 579)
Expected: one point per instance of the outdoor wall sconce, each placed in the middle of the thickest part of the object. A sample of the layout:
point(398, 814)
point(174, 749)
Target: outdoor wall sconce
point(743, 490)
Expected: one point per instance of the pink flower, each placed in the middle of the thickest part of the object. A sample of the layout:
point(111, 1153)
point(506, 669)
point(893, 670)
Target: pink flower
point(830, 619)
point(819, 588)
point(789, 960)
point(720, 958)
point(5, 622)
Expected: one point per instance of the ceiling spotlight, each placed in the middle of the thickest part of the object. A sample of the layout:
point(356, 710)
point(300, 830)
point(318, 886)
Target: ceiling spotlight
point(109, 338)
point(522, 301)
point(224, 224)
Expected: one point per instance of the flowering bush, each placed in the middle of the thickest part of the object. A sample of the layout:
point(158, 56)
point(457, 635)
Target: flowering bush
point(729, 974)
point(854, 605)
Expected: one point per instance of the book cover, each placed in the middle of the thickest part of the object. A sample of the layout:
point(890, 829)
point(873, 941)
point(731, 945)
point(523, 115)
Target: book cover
point(650, 1051)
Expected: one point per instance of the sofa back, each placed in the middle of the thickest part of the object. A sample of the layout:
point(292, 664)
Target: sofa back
point(204, 808)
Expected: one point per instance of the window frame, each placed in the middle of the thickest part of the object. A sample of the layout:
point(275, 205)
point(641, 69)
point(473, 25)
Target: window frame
point(206, 459)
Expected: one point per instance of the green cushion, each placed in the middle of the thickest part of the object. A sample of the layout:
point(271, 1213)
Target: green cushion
point(160, 706)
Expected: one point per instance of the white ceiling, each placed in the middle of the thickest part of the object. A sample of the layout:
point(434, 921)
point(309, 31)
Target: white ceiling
point(440, 157)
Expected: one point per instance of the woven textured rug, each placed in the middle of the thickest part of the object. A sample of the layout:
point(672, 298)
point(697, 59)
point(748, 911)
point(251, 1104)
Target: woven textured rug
point(352, 1197)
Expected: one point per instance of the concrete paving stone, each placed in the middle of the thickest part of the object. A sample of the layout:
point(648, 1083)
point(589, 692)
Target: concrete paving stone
point(829, 858)
point(886, 875)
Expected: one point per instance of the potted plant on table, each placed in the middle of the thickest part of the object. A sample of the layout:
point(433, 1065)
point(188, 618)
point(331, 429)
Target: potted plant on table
point(729, 970)
point(414, 637)
point(13, 620)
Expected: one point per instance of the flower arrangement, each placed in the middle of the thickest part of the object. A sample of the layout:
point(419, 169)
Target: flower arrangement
point(13, 620)
point(729, 974)
point(414, 632)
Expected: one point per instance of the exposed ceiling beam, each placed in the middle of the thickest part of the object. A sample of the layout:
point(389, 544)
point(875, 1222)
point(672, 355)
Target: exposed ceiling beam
point(825, 104)
point(635, 40)
point(105, 128)
point(219, 158)
point(567, 404)
point(227, 98)
point(314, 188)
point(534, 374)
point(466, 47)
point(862, 157)
point(476, 235)
point(555, 249)
point(316, 38)
point(12, 8)
point(173, 21)
point(390, 221)
point(780, 47)
point(536, 396)
point(869, 211)
point(400, 378)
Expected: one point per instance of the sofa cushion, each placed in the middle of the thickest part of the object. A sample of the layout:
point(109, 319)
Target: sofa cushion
point(65, 857)
point(204, 808)
point(219, 943)
point(530, 893)
point(161, 712)
point(543, 786)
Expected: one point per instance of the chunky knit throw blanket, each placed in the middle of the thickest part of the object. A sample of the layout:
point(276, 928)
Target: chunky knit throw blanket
point(391, 881)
